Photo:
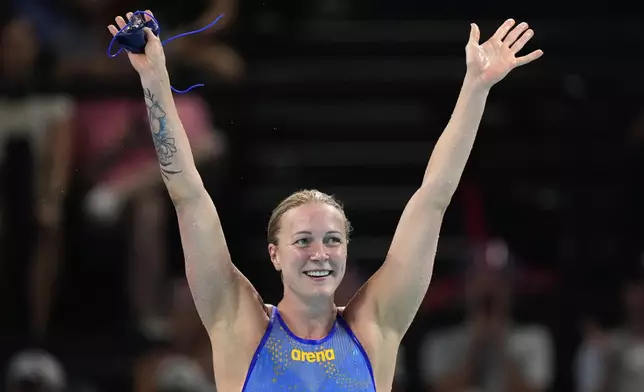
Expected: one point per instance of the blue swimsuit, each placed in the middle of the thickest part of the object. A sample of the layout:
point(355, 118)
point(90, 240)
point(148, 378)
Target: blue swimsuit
point(285, 362)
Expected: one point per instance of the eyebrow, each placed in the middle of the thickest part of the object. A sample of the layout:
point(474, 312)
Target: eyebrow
point(310, 233)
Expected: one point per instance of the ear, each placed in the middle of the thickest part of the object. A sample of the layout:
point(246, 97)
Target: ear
point(272, 252)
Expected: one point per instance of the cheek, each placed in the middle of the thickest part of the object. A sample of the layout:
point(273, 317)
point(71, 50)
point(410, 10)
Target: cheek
point(339, 258)
point(292, 258)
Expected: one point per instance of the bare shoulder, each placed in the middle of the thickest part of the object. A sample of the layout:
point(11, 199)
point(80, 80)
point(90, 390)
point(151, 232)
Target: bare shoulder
point(234, 345)
point(381, 349)
point(369, 334)
point(249, 324)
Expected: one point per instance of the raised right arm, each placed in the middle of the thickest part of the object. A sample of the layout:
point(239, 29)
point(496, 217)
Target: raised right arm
point(227, 303)
point(221, 293)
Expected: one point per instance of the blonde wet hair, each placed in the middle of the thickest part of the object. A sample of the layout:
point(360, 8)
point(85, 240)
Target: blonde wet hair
point(300, 198)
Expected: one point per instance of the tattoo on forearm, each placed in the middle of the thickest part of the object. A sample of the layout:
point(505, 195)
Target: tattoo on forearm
point(163, 143)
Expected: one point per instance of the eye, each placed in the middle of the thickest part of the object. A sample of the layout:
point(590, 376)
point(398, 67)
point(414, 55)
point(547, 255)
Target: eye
point(301, 242)
point(334, 240)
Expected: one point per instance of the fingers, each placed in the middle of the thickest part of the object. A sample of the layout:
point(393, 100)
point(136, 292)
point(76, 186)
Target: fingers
point(529, 58)
point(520, 43)
point(149, 34)
point(113, 30)
point(516, 40)
point(515, 33)
point(502, 31)
point(475, 34)
point(120, 22)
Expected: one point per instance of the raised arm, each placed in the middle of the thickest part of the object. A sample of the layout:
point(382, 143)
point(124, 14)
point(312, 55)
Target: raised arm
point(390, 299)
point(221, 293)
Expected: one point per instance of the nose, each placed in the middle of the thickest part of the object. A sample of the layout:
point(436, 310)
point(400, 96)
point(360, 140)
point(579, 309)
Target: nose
point(318, 252)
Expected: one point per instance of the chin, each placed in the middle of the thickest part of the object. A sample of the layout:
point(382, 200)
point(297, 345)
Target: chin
point(319, 292)
point(320, 289)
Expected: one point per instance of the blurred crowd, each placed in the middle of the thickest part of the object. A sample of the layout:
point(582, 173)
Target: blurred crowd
point(75, 169)
point(81, 194)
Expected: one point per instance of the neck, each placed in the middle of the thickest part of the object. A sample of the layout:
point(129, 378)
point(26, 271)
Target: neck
point(310, 318)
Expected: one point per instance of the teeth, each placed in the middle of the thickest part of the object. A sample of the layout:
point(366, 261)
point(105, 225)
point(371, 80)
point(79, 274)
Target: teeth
point(318, 273)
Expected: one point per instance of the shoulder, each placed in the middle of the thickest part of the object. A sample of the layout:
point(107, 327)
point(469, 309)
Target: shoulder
point(268, 308)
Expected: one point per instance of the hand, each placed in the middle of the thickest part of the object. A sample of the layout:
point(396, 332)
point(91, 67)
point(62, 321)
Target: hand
point(495, 58)
point(152, 61)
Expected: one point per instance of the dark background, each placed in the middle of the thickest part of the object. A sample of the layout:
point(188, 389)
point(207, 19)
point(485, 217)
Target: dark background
point(349, 97)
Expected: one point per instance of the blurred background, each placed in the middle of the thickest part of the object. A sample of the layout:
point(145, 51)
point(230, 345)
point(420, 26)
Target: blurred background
point(538, 280)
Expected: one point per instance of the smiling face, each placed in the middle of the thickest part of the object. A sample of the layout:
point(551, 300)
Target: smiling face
point(311, 249)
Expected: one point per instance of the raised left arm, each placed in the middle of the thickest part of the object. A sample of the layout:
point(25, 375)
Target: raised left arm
point(388, 302)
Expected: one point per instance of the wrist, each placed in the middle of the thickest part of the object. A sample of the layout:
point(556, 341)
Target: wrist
point(155, 77)
point(474, 84)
